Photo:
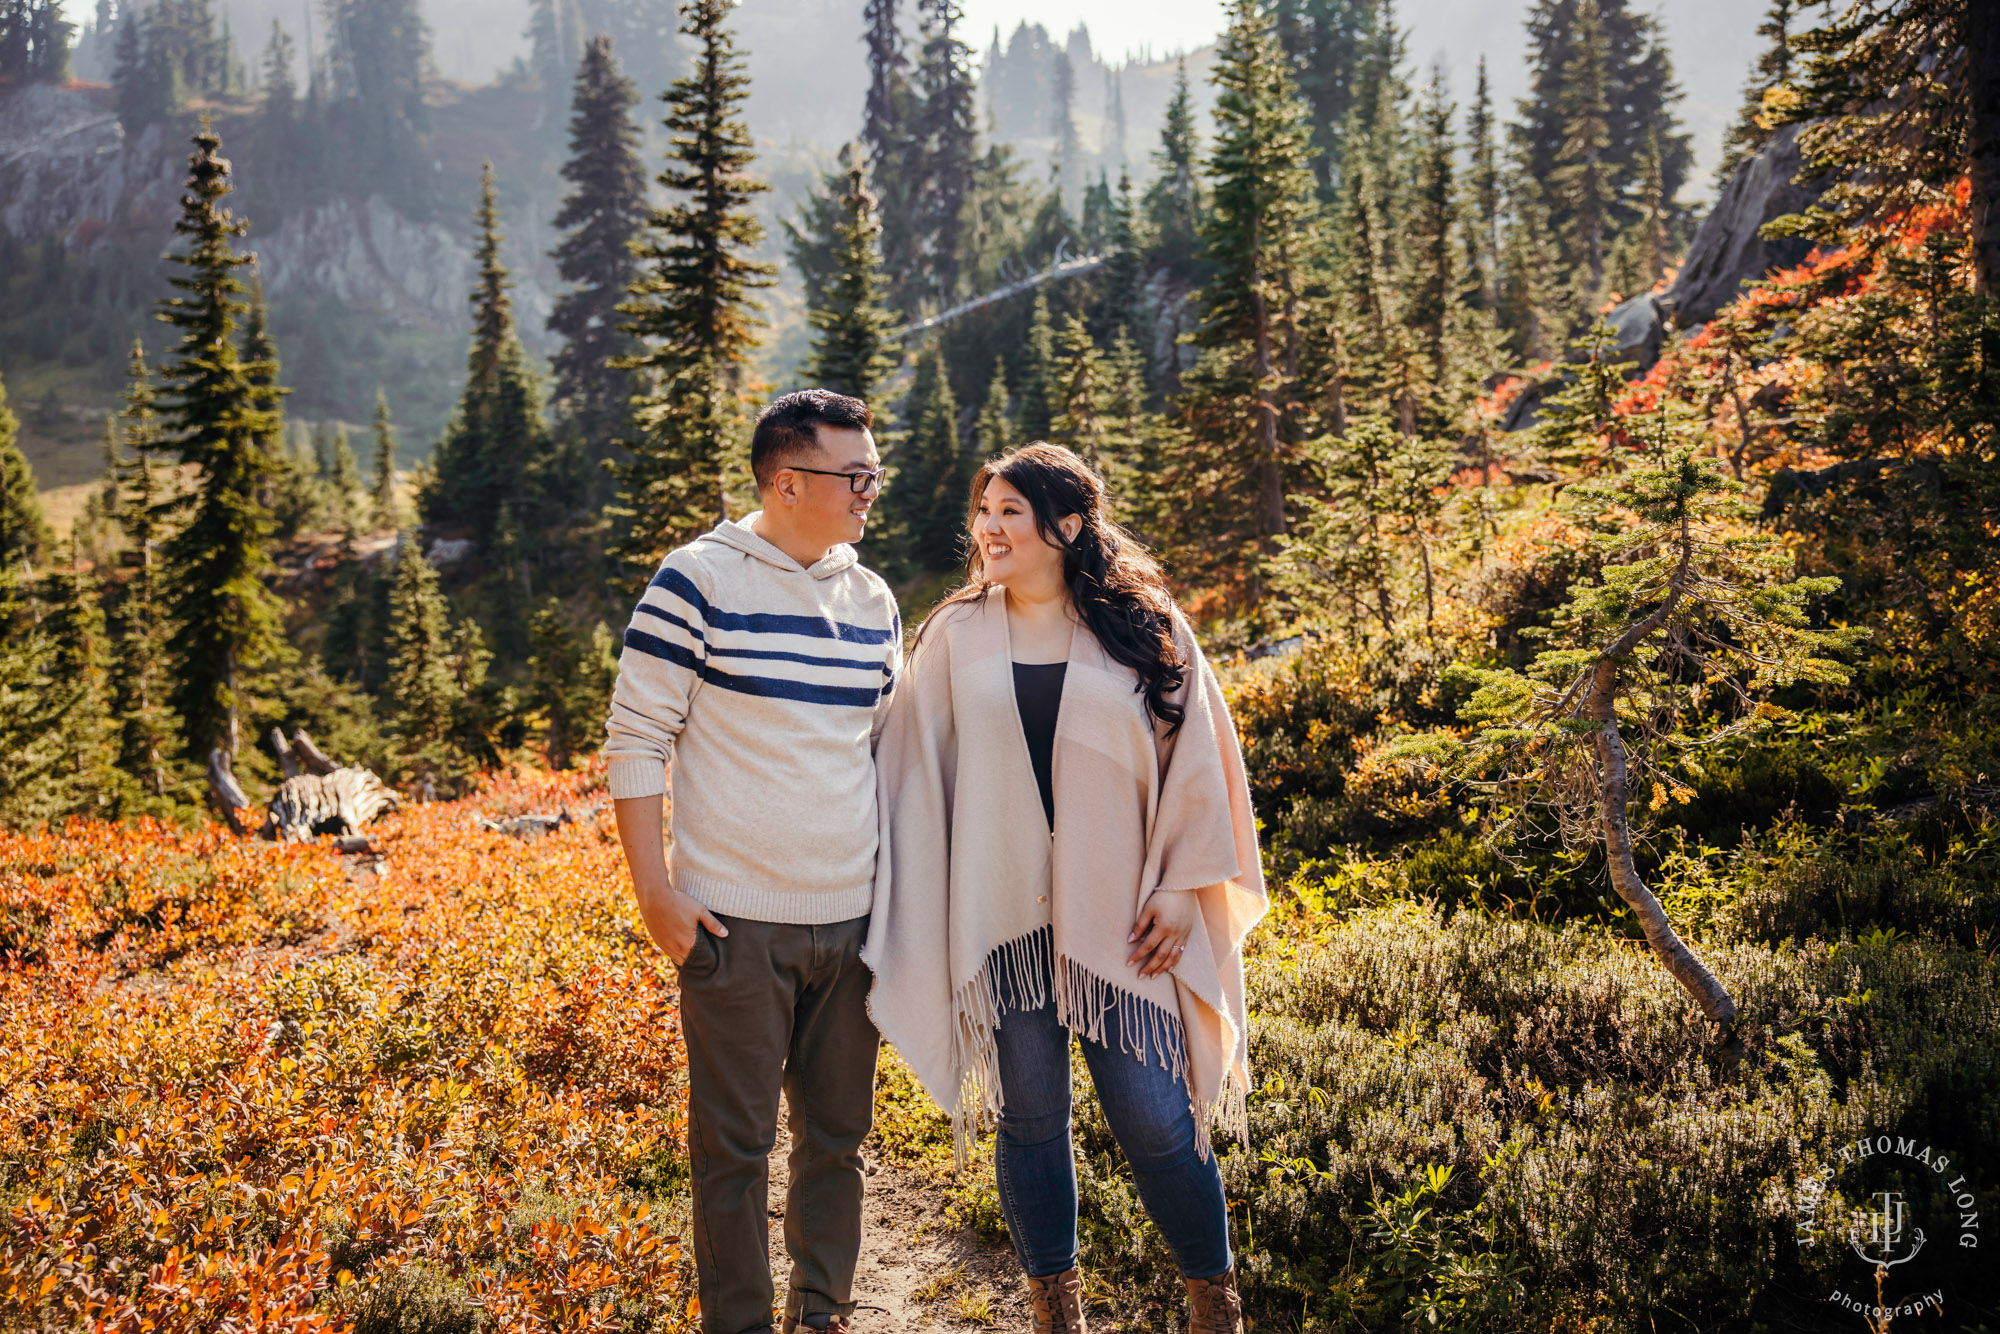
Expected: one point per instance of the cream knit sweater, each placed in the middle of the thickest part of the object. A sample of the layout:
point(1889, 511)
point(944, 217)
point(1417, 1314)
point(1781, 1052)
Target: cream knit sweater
point(762, 682)
point(1137, 810)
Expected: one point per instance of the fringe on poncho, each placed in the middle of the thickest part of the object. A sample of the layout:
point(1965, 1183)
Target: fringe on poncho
point(965, 851)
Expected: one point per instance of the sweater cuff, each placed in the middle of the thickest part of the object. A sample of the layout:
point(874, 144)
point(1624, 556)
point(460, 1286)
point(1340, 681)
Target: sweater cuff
point(635, 776)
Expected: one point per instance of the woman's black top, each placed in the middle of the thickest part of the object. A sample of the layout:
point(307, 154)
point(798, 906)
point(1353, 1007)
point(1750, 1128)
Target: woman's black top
point(1038, 694)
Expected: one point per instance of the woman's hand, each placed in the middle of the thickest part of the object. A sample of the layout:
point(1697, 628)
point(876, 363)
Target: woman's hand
point(1160, 937)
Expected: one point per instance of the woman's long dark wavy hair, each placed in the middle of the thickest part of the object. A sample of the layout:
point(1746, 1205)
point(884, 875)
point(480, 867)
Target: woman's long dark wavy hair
point(1116, 587)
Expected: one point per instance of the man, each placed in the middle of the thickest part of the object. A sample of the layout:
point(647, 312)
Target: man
point(757, 664)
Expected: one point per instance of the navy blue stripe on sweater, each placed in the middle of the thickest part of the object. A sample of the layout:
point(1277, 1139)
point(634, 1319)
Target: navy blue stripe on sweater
point(671, 619)
point(770, 623)
point(768, 687)
point(774, 655)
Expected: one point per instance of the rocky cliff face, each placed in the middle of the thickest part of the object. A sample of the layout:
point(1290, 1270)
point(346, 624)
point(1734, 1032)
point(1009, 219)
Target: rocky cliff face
point(68, 170)
point(1727, 251)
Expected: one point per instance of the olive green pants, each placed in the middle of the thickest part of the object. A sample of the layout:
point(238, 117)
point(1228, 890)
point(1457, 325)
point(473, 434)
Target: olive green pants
point(773, 1005)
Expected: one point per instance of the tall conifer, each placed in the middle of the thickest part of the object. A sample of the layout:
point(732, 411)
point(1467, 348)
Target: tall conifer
point(226, 623)
point(928, 500)
point(693, 306)
point(148, 730)
point(384, 504)
point(603, 215)
point(1173, 204)
point(991, 430)
point(496, 446)
point(1482, 250)
point(1036, 400)
point(1582, 179)
point(24, 532)
point(423, 679)
point(947, 135)
point(851, 349)
point(1256, 237)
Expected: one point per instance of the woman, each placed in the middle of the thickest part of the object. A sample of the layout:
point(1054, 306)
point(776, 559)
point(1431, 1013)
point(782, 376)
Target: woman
point(1068, 846)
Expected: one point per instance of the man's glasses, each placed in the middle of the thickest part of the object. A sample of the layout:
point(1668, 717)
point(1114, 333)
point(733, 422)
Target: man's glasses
point(857, 482)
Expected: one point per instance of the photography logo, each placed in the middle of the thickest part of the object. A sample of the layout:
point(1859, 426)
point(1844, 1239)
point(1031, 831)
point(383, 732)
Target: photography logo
point(1883, 1200)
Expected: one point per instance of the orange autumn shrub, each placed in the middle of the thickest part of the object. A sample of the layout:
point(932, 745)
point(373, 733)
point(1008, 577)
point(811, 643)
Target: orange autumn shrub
point(244, 1087)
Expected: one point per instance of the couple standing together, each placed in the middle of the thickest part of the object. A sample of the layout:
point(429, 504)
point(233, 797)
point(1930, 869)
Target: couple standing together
point(1039, 826)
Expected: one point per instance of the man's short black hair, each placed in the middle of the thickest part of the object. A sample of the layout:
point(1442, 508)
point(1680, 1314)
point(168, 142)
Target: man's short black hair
point(790, 427)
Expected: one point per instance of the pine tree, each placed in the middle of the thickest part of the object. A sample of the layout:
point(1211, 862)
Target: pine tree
point(1066, 171)
point(569, 683)
point(75, 625)
point(24, 532)
point(1482, 251)
point(346, 482)
point(603, 215)
point(1173, 204)
point(32, 786)
point(991, 431)
point(1326, 40)
point(380, 48)
point(693, 304)
point(892, 142)
point(1432, 285)
point(1036, 399)
point(496, 446)
point(1256, 238)
point(384, 503)
point(1122, 305)
point(947, 136)
point(148, 730)
point(1580, 421)
point(1581, 180)
point(928, 502)
point(225, 621)
point(1079, 418)
point(1771, 71)
point(423, 679)
point(852, 352)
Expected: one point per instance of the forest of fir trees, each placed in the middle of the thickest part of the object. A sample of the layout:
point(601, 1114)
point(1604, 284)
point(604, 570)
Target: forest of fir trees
point(1290, 342)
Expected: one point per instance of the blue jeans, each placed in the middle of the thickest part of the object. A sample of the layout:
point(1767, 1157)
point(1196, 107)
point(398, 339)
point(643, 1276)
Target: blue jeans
point(1147, 1108)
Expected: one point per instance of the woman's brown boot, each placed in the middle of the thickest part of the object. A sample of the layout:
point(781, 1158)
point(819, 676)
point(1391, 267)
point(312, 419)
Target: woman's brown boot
point(1058, 1303)
point(1213, 1306)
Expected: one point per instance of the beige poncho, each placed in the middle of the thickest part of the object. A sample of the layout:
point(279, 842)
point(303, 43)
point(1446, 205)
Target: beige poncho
point(965, 852)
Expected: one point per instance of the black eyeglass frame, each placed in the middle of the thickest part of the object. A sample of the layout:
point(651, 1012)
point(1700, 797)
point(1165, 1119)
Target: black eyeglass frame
point(857, 482)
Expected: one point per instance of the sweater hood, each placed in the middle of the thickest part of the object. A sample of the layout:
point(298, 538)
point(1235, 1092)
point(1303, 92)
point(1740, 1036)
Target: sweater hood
point(737, 533)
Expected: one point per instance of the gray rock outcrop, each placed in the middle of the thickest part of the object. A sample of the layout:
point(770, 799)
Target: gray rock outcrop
point(1727, 250)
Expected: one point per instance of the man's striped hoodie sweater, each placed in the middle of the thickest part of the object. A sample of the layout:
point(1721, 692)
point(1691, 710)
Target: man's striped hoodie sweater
point(762, 682)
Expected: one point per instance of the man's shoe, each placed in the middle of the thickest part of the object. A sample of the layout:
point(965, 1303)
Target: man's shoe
point(819, 1322)
point(1058, 1303)
point(1213, 1306)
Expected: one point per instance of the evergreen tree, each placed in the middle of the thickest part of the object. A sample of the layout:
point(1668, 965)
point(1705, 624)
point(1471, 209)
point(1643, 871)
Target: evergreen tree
point(1326, 41)
point(569, 683)
point(1899, 102)
point(32, 781)
point(947, 137)
point(34, 41)
point(1036, 399)
point(1256, 237)
point(1122, 305)
point(225, 621)
point(851, 349)
point(928, 503)
point(387, 508)
point(603, 215)
point(1173, 204)
point(1771, 71)
point(1482, 250)
point(380, 48)
point(148, 730)
point(892, 141)
point(24, 532)
point(346, 482)
point(1580, 421)
point(1079, 418)
point(1066, 171)
point(693, 305)
point(281, 93)
point(75, 626)
point(990, 429)
point(423, 677)
point(496, 447)
point(1533, 302)
point(1432, 285)
point(1581, 181)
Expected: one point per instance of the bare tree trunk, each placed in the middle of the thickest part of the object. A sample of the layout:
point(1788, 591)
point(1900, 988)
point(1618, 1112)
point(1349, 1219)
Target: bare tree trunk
point(1982, 42)
point(1600, 705)
point(1270, 488)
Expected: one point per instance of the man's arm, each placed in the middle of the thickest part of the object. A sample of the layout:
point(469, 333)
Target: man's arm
point(670, 916)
